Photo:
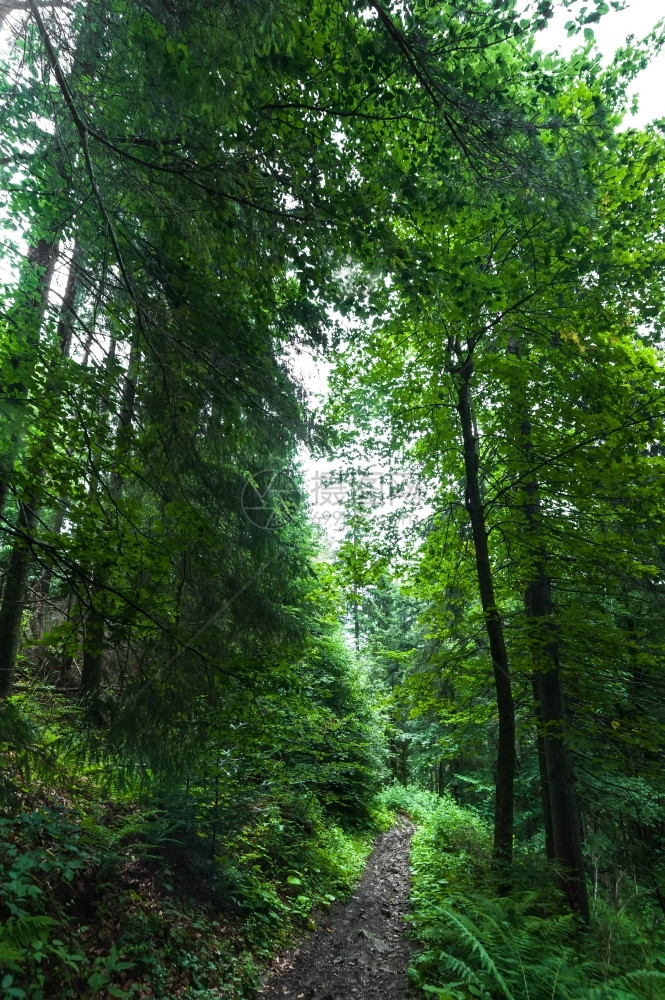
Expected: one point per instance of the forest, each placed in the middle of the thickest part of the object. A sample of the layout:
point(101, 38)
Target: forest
point(210, 708)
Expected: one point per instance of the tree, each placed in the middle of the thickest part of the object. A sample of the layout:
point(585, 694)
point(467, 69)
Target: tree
point(502, 272)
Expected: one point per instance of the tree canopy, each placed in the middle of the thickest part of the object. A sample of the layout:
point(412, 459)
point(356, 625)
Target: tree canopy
point(469, 231)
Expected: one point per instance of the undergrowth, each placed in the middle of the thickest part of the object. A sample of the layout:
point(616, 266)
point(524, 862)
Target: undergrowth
point(115, 892)
point(474, 943)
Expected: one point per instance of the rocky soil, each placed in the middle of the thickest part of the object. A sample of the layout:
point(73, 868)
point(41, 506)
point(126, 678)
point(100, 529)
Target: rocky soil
point(359, 951)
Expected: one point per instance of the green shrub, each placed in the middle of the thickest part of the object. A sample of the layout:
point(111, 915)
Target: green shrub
point(415, 802)
point(523, 946)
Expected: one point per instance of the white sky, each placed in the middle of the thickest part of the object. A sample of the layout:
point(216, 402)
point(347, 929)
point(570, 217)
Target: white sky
point(638, 19)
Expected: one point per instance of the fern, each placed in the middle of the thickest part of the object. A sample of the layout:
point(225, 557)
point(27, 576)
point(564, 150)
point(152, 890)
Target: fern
point(10, 957)
point(640, 983)
point(465, 976)
point(519, 947)
point(470, 936)
point(18, 934)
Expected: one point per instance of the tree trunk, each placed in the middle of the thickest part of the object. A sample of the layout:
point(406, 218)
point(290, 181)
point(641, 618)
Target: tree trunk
point(93, 658)
point(43, 587)
point(15, 591)
point(542, 771)
point(566, 830)
point(505, 760)
point(93, 633)
point(26, 317)
point(13, 598)
point(64, 336)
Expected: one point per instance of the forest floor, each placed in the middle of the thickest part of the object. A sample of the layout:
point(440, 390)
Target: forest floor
point(359, 951)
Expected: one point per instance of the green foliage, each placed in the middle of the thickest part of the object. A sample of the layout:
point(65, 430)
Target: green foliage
point(476, 944)
point(506, 349)
point(113, 897)
point(415, 802)
point(176, 649)
point(261, 813)
point(21, 935)
point(17, 744)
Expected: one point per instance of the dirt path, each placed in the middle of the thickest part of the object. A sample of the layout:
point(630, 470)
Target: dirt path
point(359, 951)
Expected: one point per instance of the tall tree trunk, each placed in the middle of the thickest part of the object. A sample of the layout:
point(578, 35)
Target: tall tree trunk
point(16, 584)
point(43, 587)
point(95, 621)
point(93, 655)
point(505, 759)
point(13, 597)
point(64, 334)
point(26, 317)
point(542, 772)
point(566, 830)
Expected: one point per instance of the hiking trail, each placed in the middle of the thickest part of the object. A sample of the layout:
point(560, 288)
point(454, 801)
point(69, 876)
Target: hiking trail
point(359, 950)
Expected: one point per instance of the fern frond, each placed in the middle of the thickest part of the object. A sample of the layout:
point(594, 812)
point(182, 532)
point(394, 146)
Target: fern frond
point(471, 935)
point(10, 957)
point(465, 976)
point(21, 932)
point(17, 934)
point(641, 984)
